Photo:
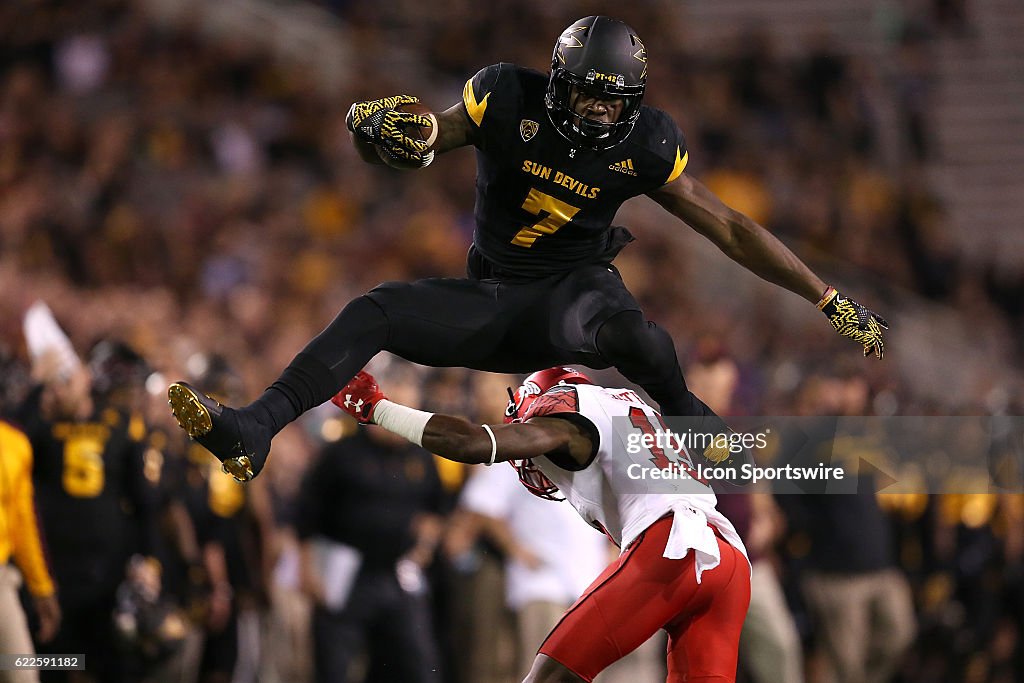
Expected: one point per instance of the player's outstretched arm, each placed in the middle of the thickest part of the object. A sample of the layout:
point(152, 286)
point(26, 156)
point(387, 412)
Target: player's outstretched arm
point(462, 441)
point(457, 439)
point(740, 238)
point(760, 252)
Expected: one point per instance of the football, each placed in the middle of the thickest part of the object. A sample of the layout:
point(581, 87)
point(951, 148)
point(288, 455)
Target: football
point(416, 132)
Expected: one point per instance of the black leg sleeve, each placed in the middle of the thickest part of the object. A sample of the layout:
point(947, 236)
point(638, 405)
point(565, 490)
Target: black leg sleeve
point(327, 363)
point(645, 354)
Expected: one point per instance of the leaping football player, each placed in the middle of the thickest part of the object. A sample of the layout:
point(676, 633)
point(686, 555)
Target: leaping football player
point(557, 154)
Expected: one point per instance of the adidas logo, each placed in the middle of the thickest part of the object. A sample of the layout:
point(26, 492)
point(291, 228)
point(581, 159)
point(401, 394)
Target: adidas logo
point(625, 166)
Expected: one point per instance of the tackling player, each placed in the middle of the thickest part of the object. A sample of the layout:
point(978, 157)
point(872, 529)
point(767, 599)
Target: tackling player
point(557, 154)
point(683, 567)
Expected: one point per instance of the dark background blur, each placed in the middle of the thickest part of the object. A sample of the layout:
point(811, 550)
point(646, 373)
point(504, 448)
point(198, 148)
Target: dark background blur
point(177, 174)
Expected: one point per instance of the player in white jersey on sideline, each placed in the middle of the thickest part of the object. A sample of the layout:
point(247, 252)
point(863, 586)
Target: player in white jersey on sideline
point(682, 567)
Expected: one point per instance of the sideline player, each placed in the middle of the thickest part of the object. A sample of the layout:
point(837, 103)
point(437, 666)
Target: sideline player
point(557, 155)
point(683, 567)
point(96, 501)
point(21, 541)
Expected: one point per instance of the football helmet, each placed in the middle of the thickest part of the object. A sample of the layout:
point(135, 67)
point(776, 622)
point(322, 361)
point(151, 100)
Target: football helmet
point(116, 366)
point(519, 404)
point(214, 373)
point(604, 57)
point(536, 384)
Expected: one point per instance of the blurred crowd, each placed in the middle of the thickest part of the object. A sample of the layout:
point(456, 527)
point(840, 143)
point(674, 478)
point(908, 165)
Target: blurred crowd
point(198, 200)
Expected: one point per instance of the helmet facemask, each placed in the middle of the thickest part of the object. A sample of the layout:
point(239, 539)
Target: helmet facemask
point(519, 403)
point(578, 129)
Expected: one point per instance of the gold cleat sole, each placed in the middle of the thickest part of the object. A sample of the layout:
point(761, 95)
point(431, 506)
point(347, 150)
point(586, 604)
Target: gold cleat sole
point(240, 468)
point(191, 414)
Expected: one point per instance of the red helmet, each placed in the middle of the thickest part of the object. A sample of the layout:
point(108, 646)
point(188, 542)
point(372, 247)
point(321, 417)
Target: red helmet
point(536, 384)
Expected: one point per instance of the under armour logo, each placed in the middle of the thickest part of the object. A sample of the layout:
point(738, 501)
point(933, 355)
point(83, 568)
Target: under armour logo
point(354, 405)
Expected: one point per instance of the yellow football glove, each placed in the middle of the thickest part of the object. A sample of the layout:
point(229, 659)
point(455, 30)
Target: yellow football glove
point(852, 320)
point(378, 123)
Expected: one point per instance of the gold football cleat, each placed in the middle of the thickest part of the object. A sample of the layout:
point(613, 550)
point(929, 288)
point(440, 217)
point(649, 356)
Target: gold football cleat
point(196, 413)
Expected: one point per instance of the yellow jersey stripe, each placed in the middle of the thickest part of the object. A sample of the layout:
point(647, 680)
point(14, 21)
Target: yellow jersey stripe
point(473, 108)
point(452, 474)
point(677, 168)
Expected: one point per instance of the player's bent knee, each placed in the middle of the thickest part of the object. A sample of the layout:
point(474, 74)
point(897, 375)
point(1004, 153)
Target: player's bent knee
point(621, 331)
point(547, 670)
point(628, 340)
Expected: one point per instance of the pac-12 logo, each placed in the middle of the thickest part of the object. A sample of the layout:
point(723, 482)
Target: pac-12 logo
point(527, 129)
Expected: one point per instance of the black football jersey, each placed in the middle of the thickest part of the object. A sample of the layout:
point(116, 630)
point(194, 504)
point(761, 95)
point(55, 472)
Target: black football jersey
point(95, 496)
point(216, 503)
point(542, 205)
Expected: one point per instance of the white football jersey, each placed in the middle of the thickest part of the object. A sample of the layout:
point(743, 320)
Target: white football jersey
point(608, 499)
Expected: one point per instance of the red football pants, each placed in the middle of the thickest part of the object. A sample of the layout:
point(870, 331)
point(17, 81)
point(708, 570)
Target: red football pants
point(642, 592)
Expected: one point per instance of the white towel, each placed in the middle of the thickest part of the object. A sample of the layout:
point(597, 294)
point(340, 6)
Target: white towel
point(44, 337)
point(690, 530)
point(339, 566)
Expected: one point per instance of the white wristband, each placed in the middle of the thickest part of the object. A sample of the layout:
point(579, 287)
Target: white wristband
point(402, 420)
point(433, 131)
point(494, 444)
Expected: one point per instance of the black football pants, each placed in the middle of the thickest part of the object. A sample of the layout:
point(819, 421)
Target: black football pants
point(585, 317)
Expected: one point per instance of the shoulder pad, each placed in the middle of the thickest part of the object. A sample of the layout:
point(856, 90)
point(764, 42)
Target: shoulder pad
point(657, 133)
point(493, 91)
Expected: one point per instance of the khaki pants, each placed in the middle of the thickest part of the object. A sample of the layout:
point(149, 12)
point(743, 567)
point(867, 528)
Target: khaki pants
point(769, 644)
point(866, 622)
point(290, 644)
point(536, 619)
point(482, 622)
point(534, 622)
point(14, 635)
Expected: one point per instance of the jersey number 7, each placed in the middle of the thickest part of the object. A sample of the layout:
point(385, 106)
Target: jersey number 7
point(554, 214)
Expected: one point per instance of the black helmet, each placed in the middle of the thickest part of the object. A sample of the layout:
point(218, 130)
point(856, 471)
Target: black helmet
point(603, 55)
point(216, 375)
point(116, 366)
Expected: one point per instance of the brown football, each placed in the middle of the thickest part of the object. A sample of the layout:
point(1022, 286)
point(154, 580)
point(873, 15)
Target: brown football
point(419, 133)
